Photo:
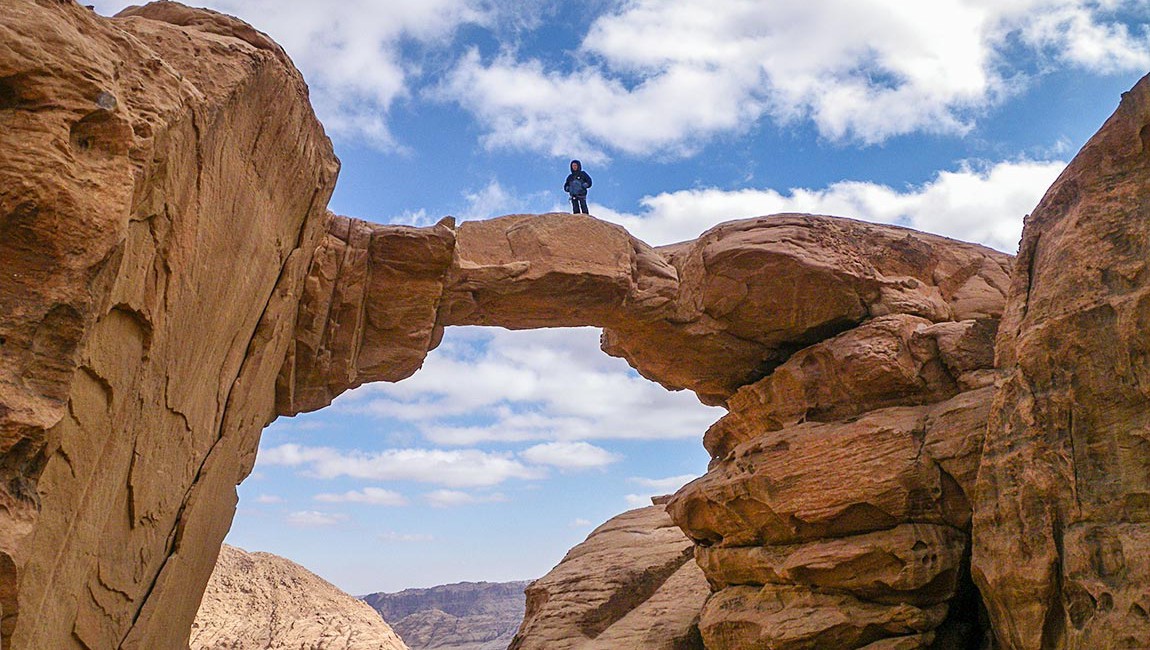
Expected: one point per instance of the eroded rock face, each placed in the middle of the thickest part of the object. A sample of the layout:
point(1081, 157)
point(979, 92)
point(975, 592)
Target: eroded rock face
point(631, 584)
point(752, 292)
point(1062, 513)
point(260, 601)
point(832, 517)
point(155, 232)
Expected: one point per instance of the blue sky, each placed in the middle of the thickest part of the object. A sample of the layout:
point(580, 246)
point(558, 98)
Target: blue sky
point(507, 448)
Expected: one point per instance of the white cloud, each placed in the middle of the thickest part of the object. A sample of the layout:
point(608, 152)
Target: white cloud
point(657, 77)
point(664, 485)
point(369, 495)
point(452, 468)
point(581, 523)
point(314, 519)
point(542, 385)
point(638, 500)
point(269, 499)
point(352, 52)
point(656, 487)
point(454, 498)
point(407, 538)
point(979, 204)
point(569, 455)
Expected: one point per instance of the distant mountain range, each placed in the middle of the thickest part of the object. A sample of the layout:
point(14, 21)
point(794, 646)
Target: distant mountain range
point(461, 616)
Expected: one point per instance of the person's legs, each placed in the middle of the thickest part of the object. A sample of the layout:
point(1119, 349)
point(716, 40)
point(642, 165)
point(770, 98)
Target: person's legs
point(582, 205)
point(574, 205)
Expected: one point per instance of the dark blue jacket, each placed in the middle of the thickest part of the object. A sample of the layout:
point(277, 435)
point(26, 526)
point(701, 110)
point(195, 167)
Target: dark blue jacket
point(577, 181)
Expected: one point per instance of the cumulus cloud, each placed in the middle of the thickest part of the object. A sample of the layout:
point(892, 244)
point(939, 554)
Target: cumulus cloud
point(355, 54)
point(449, 467)
point(570, 455)
point(664, 485)
point(370, 495)
point(314, 519)
point(984, 204)
point(655, 487)
point(543, 385)
point(656, 77)
point(454, 498)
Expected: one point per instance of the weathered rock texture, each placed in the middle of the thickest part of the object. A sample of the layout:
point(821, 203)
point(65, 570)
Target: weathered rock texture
point(836, 512)
point(260, 601)
point(631, 584)
point(156, 226)
point(172, 281)
point(1062, 515)
point(462, 616)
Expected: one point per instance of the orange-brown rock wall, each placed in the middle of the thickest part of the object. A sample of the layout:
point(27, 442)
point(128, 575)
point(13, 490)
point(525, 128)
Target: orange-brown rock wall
point(1062, 510)
point(156, 234)
point(836, 512)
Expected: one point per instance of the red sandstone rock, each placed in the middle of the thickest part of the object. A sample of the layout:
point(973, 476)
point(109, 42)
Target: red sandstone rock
point(1062, 507)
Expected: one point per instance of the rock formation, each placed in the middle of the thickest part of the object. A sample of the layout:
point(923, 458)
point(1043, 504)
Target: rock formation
point(172, 281)
point(462, 616)
point(156, 227)
point(631, 584)
point(836, 512)
point(1062, 507)
point(260, 601)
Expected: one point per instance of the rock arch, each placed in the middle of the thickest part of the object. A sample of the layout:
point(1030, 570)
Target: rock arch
point(164, 300)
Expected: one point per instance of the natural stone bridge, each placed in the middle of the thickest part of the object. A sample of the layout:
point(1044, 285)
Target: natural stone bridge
point(172, 282)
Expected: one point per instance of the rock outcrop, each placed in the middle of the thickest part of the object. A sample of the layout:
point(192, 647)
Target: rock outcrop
point(831, 518)
point(156, 227)
point(260, 601)
point(631, 584)
point(172, 281)
point(1062, 510)
point(462, 616)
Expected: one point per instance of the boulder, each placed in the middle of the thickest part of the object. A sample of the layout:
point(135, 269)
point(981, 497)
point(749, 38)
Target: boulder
point(631, 584)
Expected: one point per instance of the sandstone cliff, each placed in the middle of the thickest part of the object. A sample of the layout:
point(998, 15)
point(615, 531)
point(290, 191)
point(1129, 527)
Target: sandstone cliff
point(260, 601)
point(1062, 509)
point(155, 232)
point(462, 616)
point(631, 584)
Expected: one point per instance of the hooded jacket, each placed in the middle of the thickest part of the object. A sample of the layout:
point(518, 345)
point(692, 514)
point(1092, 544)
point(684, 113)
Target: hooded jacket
point(577, 181)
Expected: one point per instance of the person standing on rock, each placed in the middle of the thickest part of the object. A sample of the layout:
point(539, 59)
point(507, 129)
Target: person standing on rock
point(576, 185)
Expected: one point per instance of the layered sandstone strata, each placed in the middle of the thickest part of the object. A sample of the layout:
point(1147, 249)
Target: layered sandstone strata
point(260, 601)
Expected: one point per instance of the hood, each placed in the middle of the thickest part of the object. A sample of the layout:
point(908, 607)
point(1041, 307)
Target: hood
point(577, 165)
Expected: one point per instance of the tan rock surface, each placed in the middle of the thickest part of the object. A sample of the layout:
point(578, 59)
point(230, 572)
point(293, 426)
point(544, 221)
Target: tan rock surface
point(260, 601)
point(1062, 508)
point(775, 617)
point(631, 584)
point(367, 312)
point(155, 232)
point(752, 292)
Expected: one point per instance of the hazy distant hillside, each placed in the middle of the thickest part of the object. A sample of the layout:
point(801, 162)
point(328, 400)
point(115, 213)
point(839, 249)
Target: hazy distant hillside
point(462, 616)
